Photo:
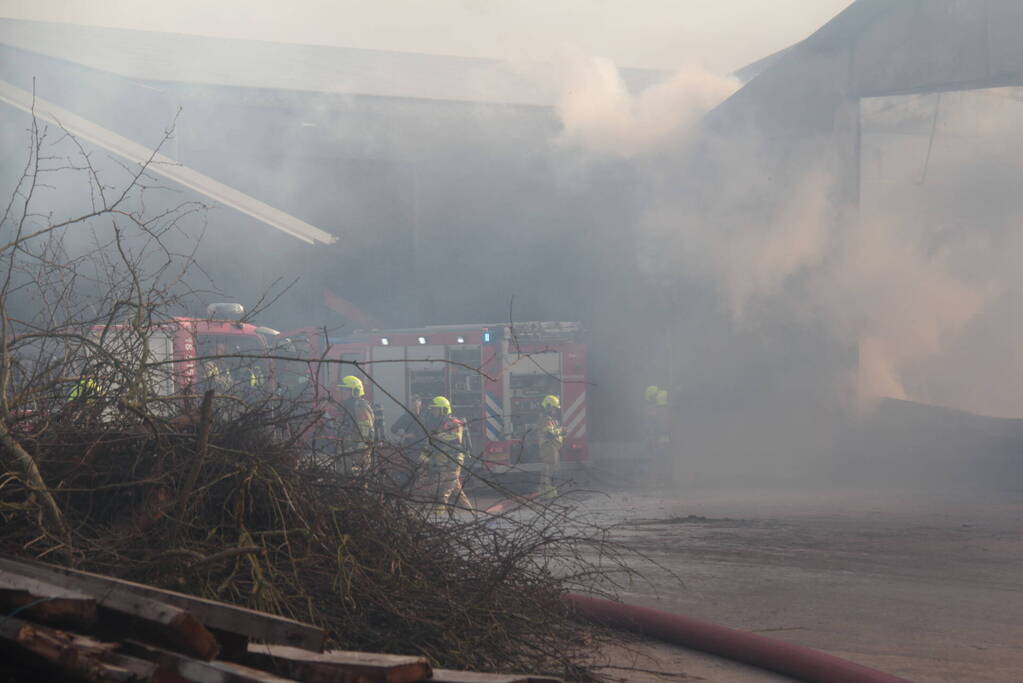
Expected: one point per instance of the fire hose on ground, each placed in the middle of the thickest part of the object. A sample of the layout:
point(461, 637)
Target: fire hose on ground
point(796, 661)
point(784, 658)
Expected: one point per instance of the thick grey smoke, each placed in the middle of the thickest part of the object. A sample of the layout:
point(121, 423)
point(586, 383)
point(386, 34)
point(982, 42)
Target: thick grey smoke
point(599, 114)
point(906, 280)
point(783, 319)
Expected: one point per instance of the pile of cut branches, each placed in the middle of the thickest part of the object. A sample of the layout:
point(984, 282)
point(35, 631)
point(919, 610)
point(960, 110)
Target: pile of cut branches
point(228, 508)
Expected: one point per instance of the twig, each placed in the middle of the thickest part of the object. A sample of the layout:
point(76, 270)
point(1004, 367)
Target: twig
point(202, 447)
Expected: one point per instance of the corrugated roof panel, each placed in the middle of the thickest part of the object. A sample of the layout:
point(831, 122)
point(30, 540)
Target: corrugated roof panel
point(162, 165)
point(149, 56)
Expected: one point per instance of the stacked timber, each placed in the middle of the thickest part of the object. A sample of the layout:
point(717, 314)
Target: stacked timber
point(59, 624)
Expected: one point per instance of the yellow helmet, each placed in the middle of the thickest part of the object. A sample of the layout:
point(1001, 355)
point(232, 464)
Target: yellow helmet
point(662, 398)
point(442, 403)
point(651, 393)
point(551, 402)
point(352, 382)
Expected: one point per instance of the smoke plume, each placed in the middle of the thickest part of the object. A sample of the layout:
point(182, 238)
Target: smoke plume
point(599, 114)
point(911, 280)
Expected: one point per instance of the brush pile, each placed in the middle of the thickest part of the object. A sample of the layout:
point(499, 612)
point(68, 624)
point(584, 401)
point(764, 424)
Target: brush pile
point(238, 505)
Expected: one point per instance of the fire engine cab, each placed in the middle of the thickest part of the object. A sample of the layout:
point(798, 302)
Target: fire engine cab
point(495, 375)
point(177, 346)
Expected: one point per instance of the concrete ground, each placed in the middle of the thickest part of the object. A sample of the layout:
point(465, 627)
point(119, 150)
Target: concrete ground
point(926, 588)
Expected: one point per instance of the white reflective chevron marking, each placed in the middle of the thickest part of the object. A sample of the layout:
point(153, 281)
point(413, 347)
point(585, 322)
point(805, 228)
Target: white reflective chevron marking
point(568, 414)
point(576, 416)
point(493, 423)
point(580, 419)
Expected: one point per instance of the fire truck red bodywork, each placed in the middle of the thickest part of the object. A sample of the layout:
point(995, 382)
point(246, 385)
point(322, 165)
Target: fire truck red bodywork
point(182, 340)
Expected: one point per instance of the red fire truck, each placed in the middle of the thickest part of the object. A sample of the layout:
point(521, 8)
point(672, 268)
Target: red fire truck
point(175, 347)
point(495, 376)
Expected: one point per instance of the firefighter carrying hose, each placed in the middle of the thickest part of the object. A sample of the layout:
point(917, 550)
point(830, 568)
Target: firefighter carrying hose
point(550, 437)
point(354, 426)
point(444, 455)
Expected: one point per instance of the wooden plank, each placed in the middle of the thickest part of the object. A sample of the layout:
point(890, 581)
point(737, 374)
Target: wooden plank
point(233, 646)
point(130, 611)
point(180, 629)
point(41, 601)
point(173, 667)
point(447, 676)
point(338, 666)
point(249, 623)
point(142, 669)
point(74, 655)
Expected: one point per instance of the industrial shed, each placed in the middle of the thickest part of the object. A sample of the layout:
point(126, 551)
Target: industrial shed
point(406, 159)
point(914, 108)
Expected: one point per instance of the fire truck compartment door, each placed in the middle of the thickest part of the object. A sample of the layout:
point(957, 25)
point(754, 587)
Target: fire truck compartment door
point(161, 346)
point(390, 376)
point(543, 363)
point(427, 371)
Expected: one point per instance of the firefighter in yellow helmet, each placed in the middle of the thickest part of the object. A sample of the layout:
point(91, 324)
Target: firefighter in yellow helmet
point(86, 389)
point(354, 426)
point(87, 400)
point(444, 455)
point(252, 375)
point(550, 437)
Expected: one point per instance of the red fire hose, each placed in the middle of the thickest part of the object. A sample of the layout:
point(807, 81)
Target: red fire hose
point(774, 655)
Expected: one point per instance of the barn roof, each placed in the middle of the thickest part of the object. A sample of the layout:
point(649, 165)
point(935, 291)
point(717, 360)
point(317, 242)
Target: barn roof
point(175, 57)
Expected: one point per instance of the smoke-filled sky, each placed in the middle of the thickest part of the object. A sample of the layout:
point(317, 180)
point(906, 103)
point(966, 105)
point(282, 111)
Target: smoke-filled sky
point(722, 35)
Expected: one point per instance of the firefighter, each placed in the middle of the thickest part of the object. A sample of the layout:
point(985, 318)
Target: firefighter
point(648, 422)
point(86, 389)
point(379, 424)
point(411, 439)
point(355, 426)
point(662, 435)
point(252, 376)
point(86, 398)
point(550, 438)
point(647, 415)
point(216, 377)
point(443, 455)
point(409, 427)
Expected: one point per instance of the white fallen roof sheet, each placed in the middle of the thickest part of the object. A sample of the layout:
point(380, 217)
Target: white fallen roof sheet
point(162, 165)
